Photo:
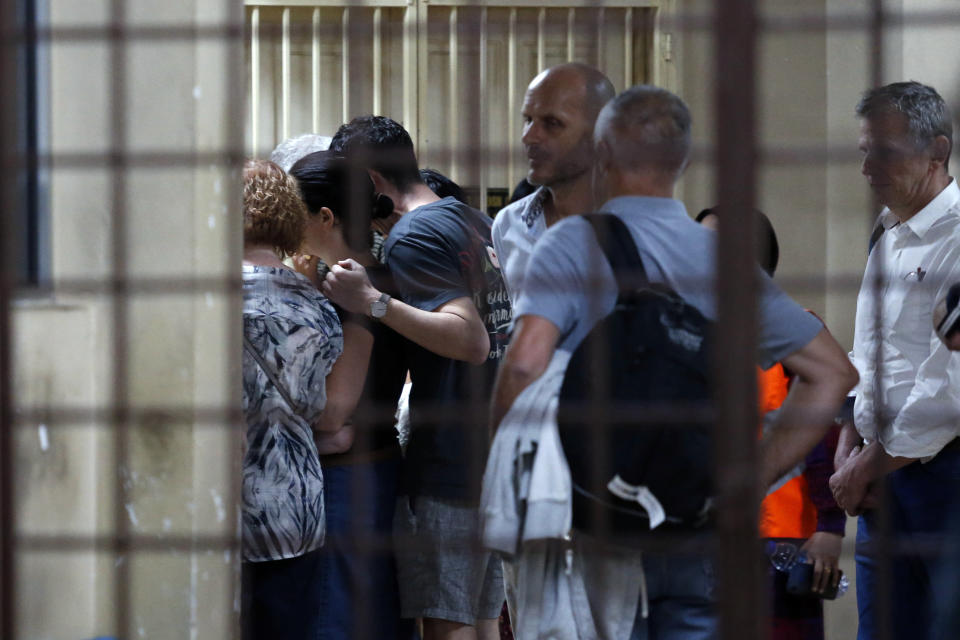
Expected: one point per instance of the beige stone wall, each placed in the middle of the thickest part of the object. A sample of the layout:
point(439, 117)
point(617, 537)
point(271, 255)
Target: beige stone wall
point(180, 97)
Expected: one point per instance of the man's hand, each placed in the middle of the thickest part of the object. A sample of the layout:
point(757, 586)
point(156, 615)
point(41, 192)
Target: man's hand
point(348, 285)
point(849, 484)
point(848, 441)
point(823, 551)
point(307, 265)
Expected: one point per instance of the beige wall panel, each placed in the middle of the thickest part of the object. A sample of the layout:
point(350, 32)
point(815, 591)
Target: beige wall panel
point(79, 90)
point(80, 242)
point(58, 601)
point(159, 120)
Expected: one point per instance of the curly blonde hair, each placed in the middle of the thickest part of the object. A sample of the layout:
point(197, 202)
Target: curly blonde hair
point(273, 212)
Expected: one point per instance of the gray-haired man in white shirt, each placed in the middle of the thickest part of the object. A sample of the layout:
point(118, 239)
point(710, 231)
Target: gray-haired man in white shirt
point(907, 410)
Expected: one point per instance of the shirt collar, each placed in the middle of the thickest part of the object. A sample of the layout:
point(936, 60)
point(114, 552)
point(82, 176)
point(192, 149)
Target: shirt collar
point(534, 208)
point(921, 222)
point(646, 204)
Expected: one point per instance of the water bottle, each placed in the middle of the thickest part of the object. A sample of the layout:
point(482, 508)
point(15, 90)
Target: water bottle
point(785, 555)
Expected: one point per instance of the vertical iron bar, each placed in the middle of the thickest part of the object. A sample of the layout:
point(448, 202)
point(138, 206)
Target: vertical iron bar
point(120, 390)
point(8, 191)
point(571, 25)
point(883, 543)
point(232, 416)
point(740, 579)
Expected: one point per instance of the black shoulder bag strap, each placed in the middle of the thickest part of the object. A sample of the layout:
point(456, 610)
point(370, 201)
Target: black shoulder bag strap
point(617, 243)
point(267, 369)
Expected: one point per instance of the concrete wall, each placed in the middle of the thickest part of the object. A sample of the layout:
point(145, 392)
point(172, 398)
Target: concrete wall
point(178, 479)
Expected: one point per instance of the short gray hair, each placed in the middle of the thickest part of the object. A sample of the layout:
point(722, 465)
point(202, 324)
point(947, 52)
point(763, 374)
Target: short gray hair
point(927, 114)
point(646, 126)
point(290, 150)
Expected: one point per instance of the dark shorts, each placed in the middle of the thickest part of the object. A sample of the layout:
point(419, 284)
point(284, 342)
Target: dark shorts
point(444, 574)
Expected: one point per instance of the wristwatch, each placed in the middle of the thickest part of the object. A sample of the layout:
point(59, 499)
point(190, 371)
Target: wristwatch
point(378, 308)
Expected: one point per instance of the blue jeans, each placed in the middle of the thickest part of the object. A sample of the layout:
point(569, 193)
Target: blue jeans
point(358, 594)
point(920, 497)
point(681, 599)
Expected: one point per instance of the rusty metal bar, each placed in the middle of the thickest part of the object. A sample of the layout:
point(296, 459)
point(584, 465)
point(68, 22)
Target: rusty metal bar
point(119, 394)
point(740, 583)
point(8, 134)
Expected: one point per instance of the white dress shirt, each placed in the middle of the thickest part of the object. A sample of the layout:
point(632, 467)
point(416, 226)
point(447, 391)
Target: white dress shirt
point(909, 393)
point(516, 229)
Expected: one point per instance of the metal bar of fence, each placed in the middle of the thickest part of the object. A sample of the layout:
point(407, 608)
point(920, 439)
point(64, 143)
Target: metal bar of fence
point(8, 134)
point(119, 393)
point(740, 585)
point(883, 540)
point(571, 24)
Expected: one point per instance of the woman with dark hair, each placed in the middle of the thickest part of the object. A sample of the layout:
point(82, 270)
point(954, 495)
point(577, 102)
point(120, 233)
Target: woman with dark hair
point(292, 336)
point(358, 444)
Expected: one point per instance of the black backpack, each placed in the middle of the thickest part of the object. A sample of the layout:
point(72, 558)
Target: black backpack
point(634, 406)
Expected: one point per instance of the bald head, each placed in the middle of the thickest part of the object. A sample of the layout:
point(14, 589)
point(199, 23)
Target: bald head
point(559, 110)
point(645, 128)
point(587, 83)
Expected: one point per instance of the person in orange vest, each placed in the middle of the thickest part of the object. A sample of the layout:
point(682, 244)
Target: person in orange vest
point(803, 510)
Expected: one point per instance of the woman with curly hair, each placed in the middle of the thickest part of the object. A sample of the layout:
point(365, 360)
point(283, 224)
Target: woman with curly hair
point(292, 337)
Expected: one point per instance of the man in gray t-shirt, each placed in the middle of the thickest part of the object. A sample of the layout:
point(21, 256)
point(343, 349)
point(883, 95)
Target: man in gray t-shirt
point(642, 143)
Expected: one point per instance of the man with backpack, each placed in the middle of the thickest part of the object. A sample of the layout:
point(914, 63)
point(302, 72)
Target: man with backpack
point(642, 140)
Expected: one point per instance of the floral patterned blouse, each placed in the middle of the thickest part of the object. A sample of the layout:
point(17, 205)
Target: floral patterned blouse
point(296, 330)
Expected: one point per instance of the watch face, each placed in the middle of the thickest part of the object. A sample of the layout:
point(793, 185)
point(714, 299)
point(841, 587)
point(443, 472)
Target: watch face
point(378, 308)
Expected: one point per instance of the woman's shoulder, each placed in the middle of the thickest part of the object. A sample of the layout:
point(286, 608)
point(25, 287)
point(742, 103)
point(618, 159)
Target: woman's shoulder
point(287, 294)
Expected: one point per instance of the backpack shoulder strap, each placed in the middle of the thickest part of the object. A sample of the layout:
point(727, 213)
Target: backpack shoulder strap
point(618, 246)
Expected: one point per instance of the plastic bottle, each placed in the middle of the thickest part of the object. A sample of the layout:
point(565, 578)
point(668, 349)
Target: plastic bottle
point(784, 555)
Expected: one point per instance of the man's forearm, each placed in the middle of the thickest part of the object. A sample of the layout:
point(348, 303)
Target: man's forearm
point(804, 419)
point(443, 331)
point(849, 438)
point(510, 384)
